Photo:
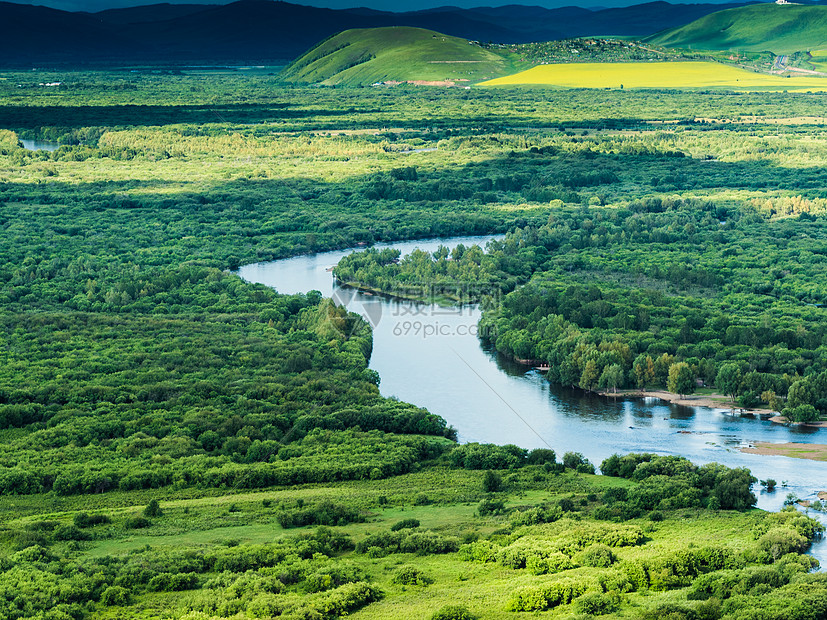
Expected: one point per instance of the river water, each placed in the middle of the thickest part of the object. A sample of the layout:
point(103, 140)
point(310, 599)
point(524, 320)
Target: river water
point(39, 145)
point(430, 355)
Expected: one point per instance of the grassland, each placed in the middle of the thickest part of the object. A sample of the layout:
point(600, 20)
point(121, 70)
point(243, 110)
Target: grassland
point(761, 27)
point(664, 75)
point(244, 527)
point(377, 55)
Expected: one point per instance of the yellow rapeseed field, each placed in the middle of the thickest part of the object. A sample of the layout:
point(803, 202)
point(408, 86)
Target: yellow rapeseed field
point(656, 75)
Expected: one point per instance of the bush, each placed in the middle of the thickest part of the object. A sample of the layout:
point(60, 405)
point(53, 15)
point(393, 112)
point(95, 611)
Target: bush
point(574, 460)
point(541, 456)
point(137, 523)
point(491, 507)
point(323, 513)
point(802, 413)
point(554, 562)
point(69, 532)
point(153, 509)
point(84, 520)
point(538, 514)
point(410, 576)
point(172, 582)
point(566, 505)
point(265, 605)
point(115, 596)
point(539, 598)
point(656, 515)
point(487, 456)
point(598, 603)
point(615, 494)
point(405, 524)
point(479, 551)
point(779, 542)
point(421, 499)
point(345, 599)
point(453, 612)
point(598, 556)
point(491, 482)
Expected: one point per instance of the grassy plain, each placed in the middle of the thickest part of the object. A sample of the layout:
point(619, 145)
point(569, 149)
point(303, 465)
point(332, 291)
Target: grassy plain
point(657, 75)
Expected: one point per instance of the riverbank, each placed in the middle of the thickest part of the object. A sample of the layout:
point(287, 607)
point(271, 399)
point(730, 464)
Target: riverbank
point(712, 401)
point(809, 451)
point(780, 419)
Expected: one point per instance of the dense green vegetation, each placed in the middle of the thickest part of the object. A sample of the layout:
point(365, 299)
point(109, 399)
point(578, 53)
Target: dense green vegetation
point(759, 28)
point(135, 366)
point(614, 295)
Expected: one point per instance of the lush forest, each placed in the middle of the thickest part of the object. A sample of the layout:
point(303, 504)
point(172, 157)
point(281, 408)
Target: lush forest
point(177, 442)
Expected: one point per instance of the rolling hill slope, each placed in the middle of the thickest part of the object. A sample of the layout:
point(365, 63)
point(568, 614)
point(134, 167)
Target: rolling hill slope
point(367, 56)
point(780, 29)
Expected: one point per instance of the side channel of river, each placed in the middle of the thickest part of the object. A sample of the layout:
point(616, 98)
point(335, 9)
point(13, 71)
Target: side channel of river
point(431, 356)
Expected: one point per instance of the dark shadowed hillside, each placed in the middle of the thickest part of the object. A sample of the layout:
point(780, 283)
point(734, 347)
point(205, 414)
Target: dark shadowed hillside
point(277, 32)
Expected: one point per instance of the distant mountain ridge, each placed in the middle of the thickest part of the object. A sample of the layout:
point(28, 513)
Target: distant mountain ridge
point(268, 31)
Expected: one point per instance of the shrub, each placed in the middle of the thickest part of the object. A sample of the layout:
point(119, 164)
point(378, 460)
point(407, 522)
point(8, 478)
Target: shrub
point(265, 605)
point(574, 460)
point(615, 494)
point(598, 603)
point(137, 523)
point(539, 598)
point(421, 499)
point(172, 582)
point(780, 541)
point(84, 520)
point(410, 576)
point(453, 612)
point(69, 532)
point(538, 514)
point(598, 556)
point(491, 507)
point(656, 515)
point(541, 456)
point(405, 524)
point(566, 505)
point(345, 599)
point(491, 482)
point(115, 596)
point(153, 509)
point(426, 543)
point(480, 551)
point(323, 513)
point(554, 562)
point(487, 456)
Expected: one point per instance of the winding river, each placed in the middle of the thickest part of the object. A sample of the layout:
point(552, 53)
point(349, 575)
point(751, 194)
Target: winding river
point(430, 356)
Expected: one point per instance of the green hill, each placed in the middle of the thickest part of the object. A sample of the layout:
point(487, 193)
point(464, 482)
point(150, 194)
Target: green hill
point(780, 29)
point(366, 56)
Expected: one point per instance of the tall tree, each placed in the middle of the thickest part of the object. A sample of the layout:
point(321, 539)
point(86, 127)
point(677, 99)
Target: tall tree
point(681, 379)
point(728, 380)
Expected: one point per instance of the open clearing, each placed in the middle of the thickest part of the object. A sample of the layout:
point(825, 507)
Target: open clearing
point(656, 75)
point(812, 451)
